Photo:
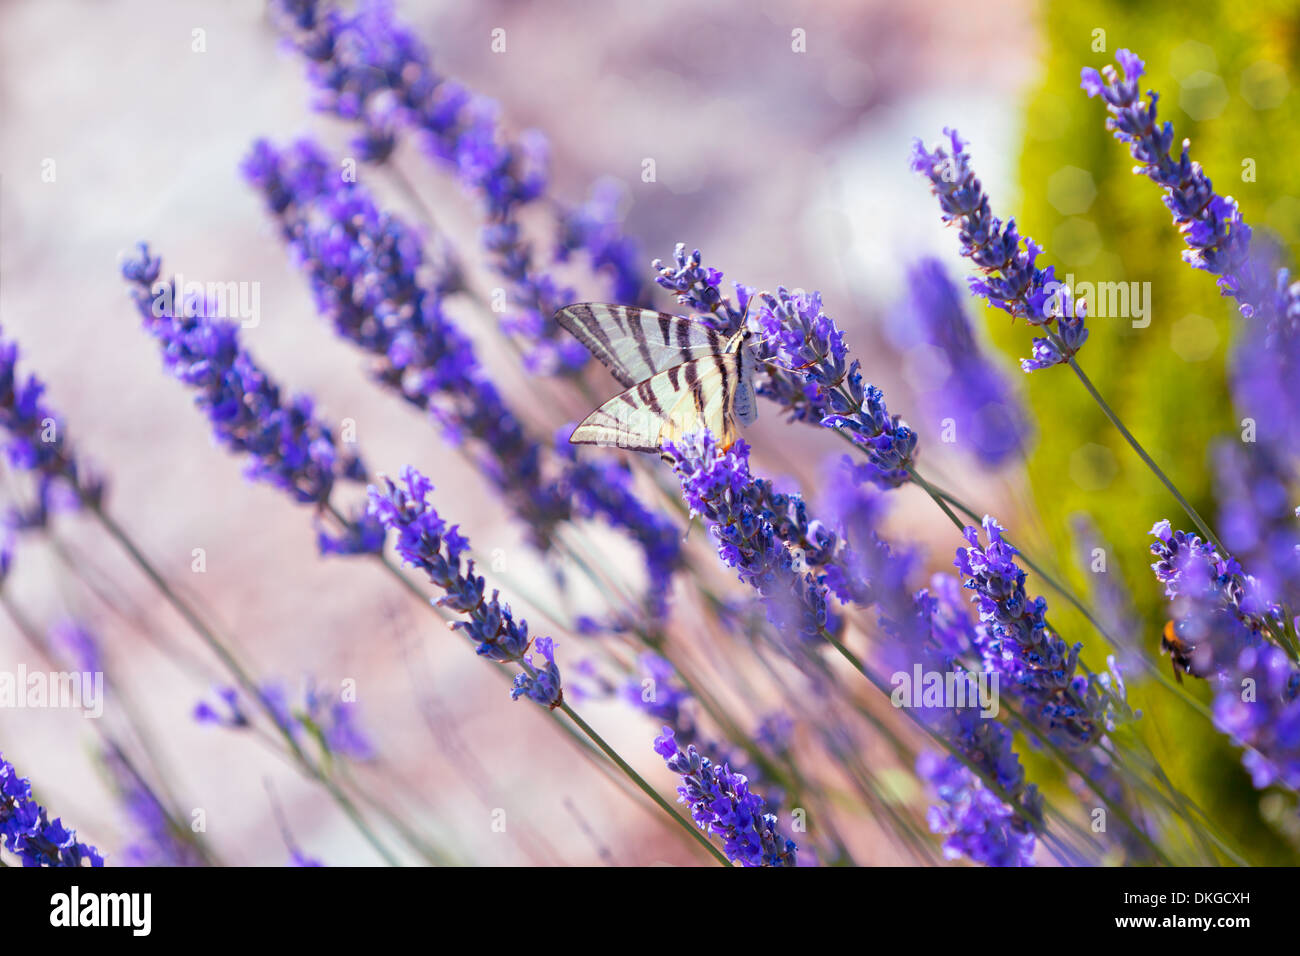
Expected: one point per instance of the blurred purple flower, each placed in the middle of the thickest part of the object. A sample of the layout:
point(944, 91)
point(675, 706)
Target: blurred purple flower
point(370, 69)
point(156, 838)
point(1221, 619)
point(34, 437)
point(988, 418)
point(977, 823)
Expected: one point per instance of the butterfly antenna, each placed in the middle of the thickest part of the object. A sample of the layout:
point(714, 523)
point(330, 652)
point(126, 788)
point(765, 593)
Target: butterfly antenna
point(785, 368)
point(768, 362)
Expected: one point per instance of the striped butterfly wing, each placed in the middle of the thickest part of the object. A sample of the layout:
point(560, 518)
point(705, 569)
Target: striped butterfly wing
point(635, 344)
point(675, 402)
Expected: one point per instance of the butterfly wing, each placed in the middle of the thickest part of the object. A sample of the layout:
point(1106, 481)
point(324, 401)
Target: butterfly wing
point(636, 344)
point(675, 402)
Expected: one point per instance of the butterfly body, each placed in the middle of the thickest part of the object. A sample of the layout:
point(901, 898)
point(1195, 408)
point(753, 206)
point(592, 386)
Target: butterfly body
point(680, 376)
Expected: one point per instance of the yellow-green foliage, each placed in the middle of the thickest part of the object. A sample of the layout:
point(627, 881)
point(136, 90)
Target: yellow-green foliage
point(1167, 381)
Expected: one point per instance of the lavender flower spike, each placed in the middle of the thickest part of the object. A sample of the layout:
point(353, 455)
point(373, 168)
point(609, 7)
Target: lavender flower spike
point(753, 528)
point(806, 366)
point(366, 269)
point(1218, 239)
point(1220, 621)
point(34, 436)
point(721, 802)
point(1011, 279)
point(26, 830)
point(976, 823)
point(1066, 707)
point(427, 542)
point(994, 825)
point(372, 70)
point(287, 444)
point(1219, 242)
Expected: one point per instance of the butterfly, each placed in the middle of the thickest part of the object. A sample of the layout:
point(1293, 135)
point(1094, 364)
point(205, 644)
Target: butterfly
point(680, 376)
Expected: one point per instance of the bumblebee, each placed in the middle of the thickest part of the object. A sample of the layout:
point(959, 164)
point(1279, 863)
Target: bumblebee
point(1179, 651)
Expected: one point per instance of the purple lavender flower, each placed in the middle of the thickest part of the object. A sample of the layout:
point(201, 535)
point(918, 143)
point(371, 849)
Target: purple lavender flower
point(775, 733)
point(229, 712)
point(1257, 515)
point(666, 701)
point(867, 569)
point(1220, 242)
point(366, 269)
point(35, 436)
point(595, 227)
point(1217, 238)
point(798, 334)
point(995, 825)
point(1220, 621)
point(156, 840)
point(988, 417)
point(338, 723)
point(977, 823)
point(78, 645)
point(427, 542)
point(1266, 359)
point(722, 803)
point(1220, 611)
point(27, 832)
point(371, 70)
point(805, 363)
point(51, 496)
point(1010, 278)
point(1068, 708)
point(1266, 364)
point(670, 704)
point(765, 537)
point(697, 287)
point(332, 721)
point(288, 445)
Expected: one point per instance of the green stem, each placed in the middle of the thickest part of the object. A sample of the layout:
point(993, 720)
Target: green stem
point(645, 788)
point(228, 660)
point(582, 725)
point(1109, 412)
point(858, 665)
